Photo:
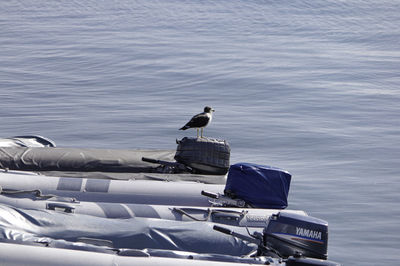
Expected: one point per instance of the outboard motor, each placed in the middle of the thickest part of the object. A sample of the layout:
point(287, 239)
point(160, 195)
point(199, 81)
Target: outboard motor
point(297, 240)
point(253, 186)
point(260, 186)
point(293, 234)
point(204, 155)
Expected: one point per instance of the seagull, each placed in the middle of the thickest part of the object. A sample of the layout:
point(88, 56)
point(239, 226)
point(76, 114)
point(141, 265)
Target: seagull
point(200, 121)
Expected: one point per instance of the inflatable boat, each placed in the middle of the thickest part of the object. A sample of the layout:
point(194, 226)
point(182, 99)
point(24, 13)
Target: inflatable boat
point(118, 207)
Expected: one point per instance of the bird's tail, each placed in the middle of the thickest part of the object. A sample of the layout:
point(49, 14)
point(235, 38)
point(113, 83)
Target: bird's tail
point(184, 128)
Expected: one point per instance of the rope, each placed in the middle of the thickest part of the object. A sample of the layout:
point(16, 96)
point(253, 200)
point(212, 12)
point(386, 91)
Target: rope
point(36, 192)
point(210, 212)
point(192, 217)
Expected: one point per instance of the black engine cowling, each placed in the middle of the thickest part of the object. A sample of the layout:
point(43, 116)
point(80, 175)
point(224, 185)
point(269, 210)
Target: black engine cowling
point(292, 234)
point(204, 155)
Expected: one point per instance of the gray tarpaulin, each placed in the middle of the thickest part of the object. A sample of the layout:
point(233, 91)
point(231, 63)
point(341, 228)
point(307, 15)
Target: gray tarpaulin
point(97, 163)
point(134, 233)
point(76, 159)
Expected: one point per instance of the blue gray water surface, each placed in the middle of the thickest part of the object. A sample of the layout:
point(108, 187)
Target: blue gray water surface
point(309, 86)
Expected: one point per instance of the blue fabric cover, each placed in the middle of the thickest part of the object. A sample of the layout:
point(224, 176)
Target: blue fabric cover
point(260, 186)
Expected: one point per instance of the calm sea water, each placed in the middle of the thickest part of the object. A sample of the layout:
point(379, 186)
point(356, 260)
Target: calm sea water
point(309, 86)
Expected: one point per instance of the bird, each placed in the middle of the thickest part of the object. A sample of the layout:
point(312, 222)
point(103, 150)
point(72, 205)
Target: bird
point(200, 121)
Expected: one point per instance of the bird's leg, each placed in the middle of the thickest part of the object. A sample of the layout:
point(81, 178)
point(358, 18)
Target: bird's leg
point(201, 132)
point(197, 132)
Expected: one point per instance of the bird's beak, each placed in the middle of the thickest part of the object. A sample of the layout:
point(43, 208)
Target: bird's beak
point(212, 110)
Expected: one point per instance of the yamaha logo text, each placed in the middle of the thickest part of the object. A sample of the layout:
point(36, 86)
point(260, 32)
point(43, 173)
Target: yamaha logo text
point(309, 233)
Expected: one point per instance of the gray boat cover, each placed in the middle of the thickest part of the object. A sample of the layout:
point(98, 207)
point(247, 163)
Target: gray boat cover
point(77, 159)
point(36, 153)
point(58, 229)
point(98, 163)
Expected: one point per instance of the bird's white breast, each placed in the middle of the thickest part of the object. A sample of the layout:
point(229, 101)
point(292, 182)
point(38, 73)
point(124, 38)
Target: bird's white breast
point(209, 115)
